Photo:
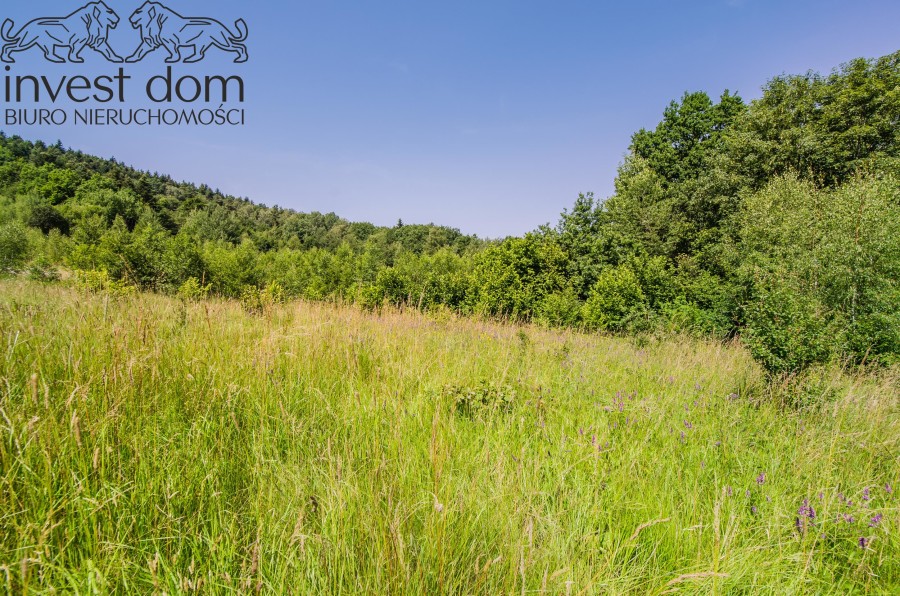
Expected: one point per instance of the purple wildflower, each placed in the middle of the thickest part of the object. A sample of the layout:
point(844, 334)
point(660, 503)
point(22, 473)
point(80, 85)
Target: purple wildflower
point(821, 496)
point(728, 491)
point(806, 515)
point(888, 489)
point(761, 478)
point(581, 431)
point(866, 496)
point(747, 493)
point(864, 542)
point(876, 521)
point(753, 509)
point(849, 518)
point(688, 425)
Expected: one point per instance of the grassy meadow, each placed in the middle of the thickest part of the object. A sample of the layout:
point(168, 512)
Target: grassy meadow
point(151, 445)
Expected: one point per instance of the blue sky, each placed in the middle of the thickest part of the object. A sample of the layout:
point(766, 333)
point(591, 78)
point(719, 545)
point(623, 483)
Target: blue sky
point(487, 115)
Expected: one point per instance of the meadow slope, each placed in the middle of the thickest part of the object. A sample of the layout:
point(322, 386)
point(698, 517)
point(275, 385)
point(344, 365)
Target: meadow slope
point(150, 445)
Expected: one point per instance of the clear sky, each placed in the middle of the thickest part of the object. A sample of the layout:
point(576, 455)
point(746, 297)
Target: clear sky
point(486, 115)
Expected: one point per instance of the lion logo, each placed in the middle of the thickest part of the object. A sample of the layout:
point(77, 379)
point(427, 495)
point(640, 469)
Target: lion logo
point(163, 27)
point(87, 27)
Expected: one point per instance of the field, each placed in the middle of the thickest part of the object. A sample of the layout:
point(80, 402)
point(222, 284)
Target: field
point(148, 445)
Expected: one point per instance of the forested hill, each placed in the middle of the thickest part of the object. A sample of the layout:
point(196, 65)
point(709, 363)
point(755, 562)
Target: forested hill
point(52, 176)
point(776, 221)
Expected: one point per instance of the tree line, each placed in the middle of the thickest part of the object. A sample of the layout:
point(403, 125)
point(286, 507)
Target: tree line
point(776, 221)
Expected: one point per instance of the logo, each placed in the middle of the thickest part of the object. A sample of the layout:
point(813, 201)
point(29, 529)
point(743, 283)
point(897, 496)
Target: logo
point(178, 96)
point(161, 26)
point(158, 25)
point(87, 27)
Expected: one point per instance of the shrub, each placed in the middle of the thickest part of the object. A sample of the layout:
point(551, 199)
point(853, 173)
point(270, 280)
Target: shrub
point(481, 400)
point(615, 301)
point(13, 248)
point(560, 309)
point(823, 268)
point(192, 289)
point(101, 282)
point(47, 218)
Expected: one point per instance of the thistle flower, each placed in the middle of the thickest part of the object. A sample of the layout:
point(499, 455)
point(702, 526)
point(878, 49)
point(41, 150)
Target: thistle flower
point(761, 479)
point(876, 521)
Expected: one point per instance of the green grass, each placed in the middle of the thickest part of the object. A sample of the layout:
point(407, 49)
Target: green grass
point(151, 446)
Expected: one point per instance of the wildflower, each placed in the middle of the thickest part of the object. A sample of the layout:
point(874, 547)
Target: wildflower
point(888, 489)
point(876, 521)
point(747, 493)
point(864, 542)
point(718, 443)
point(581, 431)
point(594, 440)
point(806, 515)
point(753, 510)
point(733, 396)
point(688, 425)
point(728, 491)
point(865, 495)
point(821, 496)
point(761, 479)
point(849, 518)
point(682, 435)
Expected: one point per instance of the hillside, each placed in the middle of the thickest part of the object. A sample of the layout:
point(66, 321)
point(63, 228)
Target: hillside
point(151, 444)
point(776, 221)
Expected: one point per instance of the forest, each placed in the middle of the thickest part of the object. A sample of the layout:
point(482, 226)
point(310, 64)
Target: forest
point(775, 221)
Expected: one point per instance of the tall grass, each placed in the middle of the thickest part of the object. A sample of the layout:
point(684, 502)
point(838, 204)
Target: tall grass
point(148, 445)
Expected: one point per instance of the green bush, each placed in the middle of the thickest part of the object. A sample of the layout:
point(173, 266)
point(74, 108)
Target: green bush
point(616, 301)
point(192, 289)
point(13, 248)
point(823, 269)
point(99, 281)
point(560, 309)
